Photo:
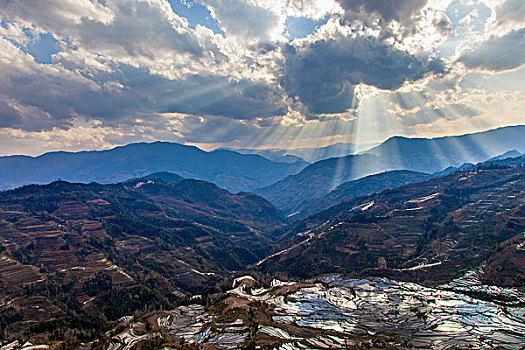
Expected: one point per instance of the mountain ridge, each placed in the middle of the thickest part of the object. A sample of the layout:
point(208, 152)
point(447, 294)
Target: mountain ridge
point(397, 153)
point(228, 169)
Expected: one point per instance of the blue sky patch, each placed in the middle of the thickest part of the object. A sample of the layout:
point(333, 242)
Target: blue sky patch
point(41, 47)
point(195, 14)
point(300, 27)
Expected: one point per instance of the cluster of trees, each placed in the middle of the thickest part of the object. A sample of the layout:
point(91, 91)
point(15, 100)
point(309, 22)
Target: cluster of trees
point(100, 283)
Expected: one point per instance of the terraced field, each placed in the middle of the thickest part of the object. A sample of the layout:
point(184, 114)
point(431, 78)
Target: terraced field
point(336, 313)
point(99, 252)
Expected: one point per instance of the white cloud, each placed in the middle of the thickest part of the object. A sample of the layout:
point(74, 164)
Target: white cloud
point(247, 21)
point(507, 16)
point(55, 15)
point(315, 9)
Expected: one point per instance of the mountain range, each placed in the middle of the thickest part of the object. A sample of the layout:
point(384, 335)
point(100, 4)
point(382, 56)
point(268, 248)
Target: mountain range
point(246, 172)
point(361, 187)
point(230, 170)
point(432, 155)
point(309, 154)
point(294, 192)
point(392, 179)
point(94, 253)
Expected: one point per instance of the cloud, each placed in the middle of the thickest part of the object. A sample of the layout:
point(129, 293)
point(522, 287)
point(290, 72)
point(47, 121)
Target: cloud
point(222, 96)
point(394, 18)
point(26, 87)
point(413, 25)
point(497, 54)
point(112, 71)
point(313, 9)
point(55, 15)
point(139, 33)
point(122, 92)
point(79, 136)
point(213, 129)
point(106, 72)
point(247, 21)
point(322, 74)
point(31, 118)
point(427, 115)
point(509, 15)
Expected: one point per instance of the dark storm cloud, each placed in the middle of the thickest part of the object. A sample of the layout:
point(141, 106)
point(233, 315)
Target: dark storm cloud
point(379, 14)
point(195, 94)
point(323, 74)
point(409, 17)
point(498, 53)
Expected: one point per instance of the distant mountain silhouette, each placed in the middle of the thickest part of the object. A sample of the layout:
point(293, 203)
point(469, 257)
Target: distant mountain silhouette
point(309, 154)
point(228, 169)
point(274, 154)
point(432, 155)
point(397, 153)
point(512, 161)
point(510, 154)
point(451, 169)
point(296, 191)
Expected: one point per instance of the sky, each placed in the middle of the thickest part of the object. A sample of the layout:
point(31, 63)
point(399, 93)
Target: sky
point(94, 74)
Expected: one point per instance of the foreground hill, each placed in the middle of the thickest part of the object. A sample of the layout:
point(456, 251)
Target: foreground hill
point(77, 256)
point(430, 232)
point(207, 203)
point(397, 153)
point(230, 170)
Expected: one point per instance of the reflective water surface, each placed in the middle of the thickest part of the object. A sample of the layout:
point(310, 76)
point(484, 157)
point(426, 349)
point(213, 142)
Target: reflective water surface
point(333, 313)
